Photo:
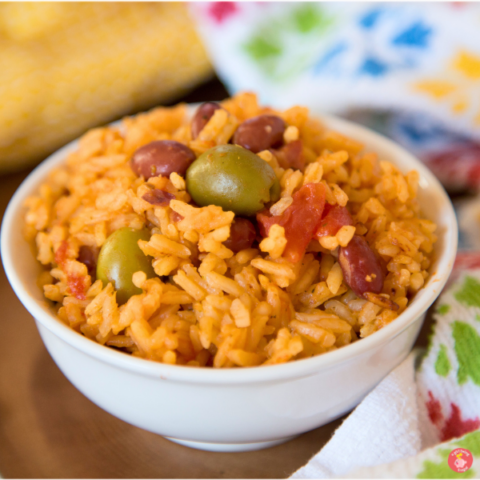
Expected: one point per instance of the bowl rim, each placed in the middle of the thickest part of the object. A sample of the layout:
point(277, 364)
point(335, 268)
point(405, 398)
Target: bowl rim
point(269, 373)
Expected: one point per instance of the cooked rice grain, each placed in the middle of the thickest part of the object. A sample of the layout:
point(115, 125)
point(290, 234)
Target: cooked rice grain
point(210, 306)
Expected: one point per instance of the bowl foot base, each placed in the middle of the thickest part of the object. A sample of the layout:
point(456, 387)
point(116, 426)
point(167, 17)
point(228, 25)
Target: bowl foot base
point(230, 447)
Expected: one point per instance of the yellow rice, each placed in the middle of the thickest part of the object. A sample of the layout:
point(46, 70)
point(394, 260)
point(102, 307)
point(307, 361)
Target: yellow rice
point(217, 308)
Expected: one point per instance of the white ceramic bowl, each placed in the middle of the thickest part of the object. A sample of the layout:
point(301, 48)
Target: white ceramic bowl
point(232, 409)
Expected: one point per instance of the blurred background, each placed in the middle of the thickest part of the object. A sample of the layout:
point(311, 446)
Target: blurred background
point(408, 70)
point(67, 67)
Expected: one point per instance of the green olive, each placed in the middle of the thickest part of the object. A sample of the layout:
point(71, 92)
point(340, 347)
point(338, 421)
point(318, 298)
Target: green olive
point(233, 178)
point(120, 257)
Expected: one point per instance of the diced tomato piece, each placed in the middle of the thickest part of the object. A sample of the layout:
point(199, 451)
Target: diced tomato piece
point(334, 218)
point(61, 253)
point(78, 286)
point(300, 220)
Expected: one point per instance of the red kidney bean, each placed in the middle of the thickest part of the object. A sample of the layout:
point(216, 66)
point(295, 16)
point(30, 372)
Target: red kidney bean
point(158, 197)
point(203, 114)
point(242, 235)
point(88, 256)
point(161, 157)
point(291, 155)
point(176, 217)
point(61, 253)
point(362, 270)
point(260, 133)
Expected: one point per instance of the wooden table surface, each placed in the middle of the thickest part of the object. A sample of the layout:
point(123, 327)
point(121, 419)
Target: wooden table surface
point(48, 429)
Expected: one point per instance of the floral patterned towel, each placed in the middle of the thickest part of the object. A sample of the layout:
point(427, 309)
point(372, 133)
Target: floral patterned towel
point(423, 423)
point(410, 70)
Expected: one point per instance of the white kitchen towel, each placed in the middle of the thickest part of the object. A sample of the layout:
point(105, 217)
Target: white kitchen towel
point(338, 56)
point(383, 428)
point(430, 463)
point(409, 70)
point(415, 424)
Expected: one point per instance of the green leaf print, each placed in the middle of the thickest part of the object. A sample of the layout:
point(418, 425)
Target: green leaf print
point(260, 48)
point(471, 442)
point(442, 365)
point(441, 468)
point(423, 355)
point(467, 350)
point(308, 17)
point(430, 336)
point(469, 294)
point(283, 46)
point(443, 309)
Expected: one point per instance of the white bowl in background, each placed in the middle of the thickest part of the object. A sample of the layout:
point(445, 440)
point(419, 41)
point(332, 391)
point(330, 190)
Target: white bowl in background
point(232, 409)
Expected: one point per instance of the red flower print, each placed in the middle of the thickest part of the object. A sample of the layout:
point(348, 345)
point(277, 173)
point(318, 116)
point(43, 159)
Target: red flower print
point(434, 409)
point(220, 11)
point(456, 427)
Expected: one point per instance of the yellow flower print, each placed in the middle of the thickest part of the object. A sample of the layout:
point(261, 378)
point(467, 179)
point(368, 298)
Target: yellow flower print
point(459, 84)
point(468, 65)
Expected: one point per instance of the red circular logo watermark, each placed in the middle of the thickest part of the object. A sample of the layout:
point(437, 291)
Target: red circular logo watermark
point(460, 460)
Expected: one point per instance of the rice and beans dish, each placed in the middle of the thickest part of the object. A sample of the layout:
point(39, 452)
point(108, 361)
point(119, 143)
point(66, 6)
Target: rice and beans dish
point(238, 237)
